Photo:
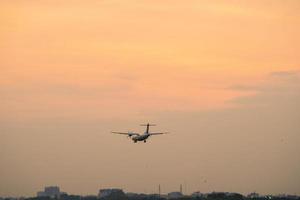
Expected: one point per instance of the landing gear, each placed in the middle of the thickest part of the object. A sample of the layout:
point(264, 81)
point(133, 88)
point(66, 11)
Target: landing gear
point(144, 141)
point(134, 141)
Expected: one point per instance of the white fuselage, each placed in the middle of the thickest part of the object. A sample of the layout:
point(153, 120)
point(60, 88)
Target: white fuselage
point(142, 137)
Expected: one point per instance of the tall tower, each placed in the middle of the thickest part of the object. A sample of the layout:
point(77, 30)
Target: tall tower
point(159, 190)
point(181, 188)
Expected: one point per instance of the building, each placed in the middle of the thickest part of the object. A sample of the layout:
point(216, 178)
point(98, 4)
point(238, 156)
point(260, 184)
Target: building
point(175, 195)
point(197, 194)
point(132, 195)
point(51, 191)
point(104, 193)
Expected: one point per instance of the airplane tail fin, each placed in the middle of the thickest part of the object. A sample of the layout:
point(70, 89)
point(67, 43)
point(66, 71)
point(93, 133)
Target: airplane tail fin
point(148, 125)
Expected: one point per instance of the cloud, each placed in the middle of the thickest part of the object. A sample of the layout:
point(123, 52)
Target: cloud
point(243, 87)
point(285, 73)
point(279, 86)
point(257, 140)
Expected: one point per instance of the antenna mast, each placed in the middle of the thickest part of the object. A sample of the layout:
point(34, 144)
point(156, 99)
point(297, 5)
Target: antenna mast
point(159, 190)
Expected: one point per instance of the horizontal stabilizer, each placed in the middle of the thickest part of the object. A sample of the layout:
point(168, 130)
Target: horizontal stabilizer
point(148, 125)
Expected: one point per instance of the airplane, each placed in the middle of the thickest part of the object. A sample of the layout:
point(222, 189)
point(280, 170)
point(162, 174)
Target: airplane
point(140, 137)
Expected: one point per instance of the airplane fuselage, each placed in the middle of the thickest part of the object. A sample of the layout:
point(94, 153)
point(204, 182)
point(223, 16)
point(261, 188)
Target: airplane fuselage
point(142, 137)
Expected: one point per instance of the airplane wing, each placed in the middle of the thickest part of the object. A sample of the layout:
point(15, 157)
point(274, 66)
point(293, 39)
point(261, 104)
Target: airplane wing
point(158, 133)
point(125, 133)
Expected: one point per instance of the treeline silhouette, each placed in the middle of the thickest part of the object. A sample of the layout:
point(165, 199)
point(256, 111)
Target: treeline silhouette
point(211, 196)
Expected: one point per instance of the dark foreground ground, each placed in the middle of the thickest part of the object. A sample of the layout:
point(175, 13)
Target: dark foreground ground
point(211, 196)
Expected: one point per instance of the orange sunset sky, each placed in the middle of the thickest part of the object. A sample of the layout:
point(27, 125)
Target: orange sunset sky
point(222, 76)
